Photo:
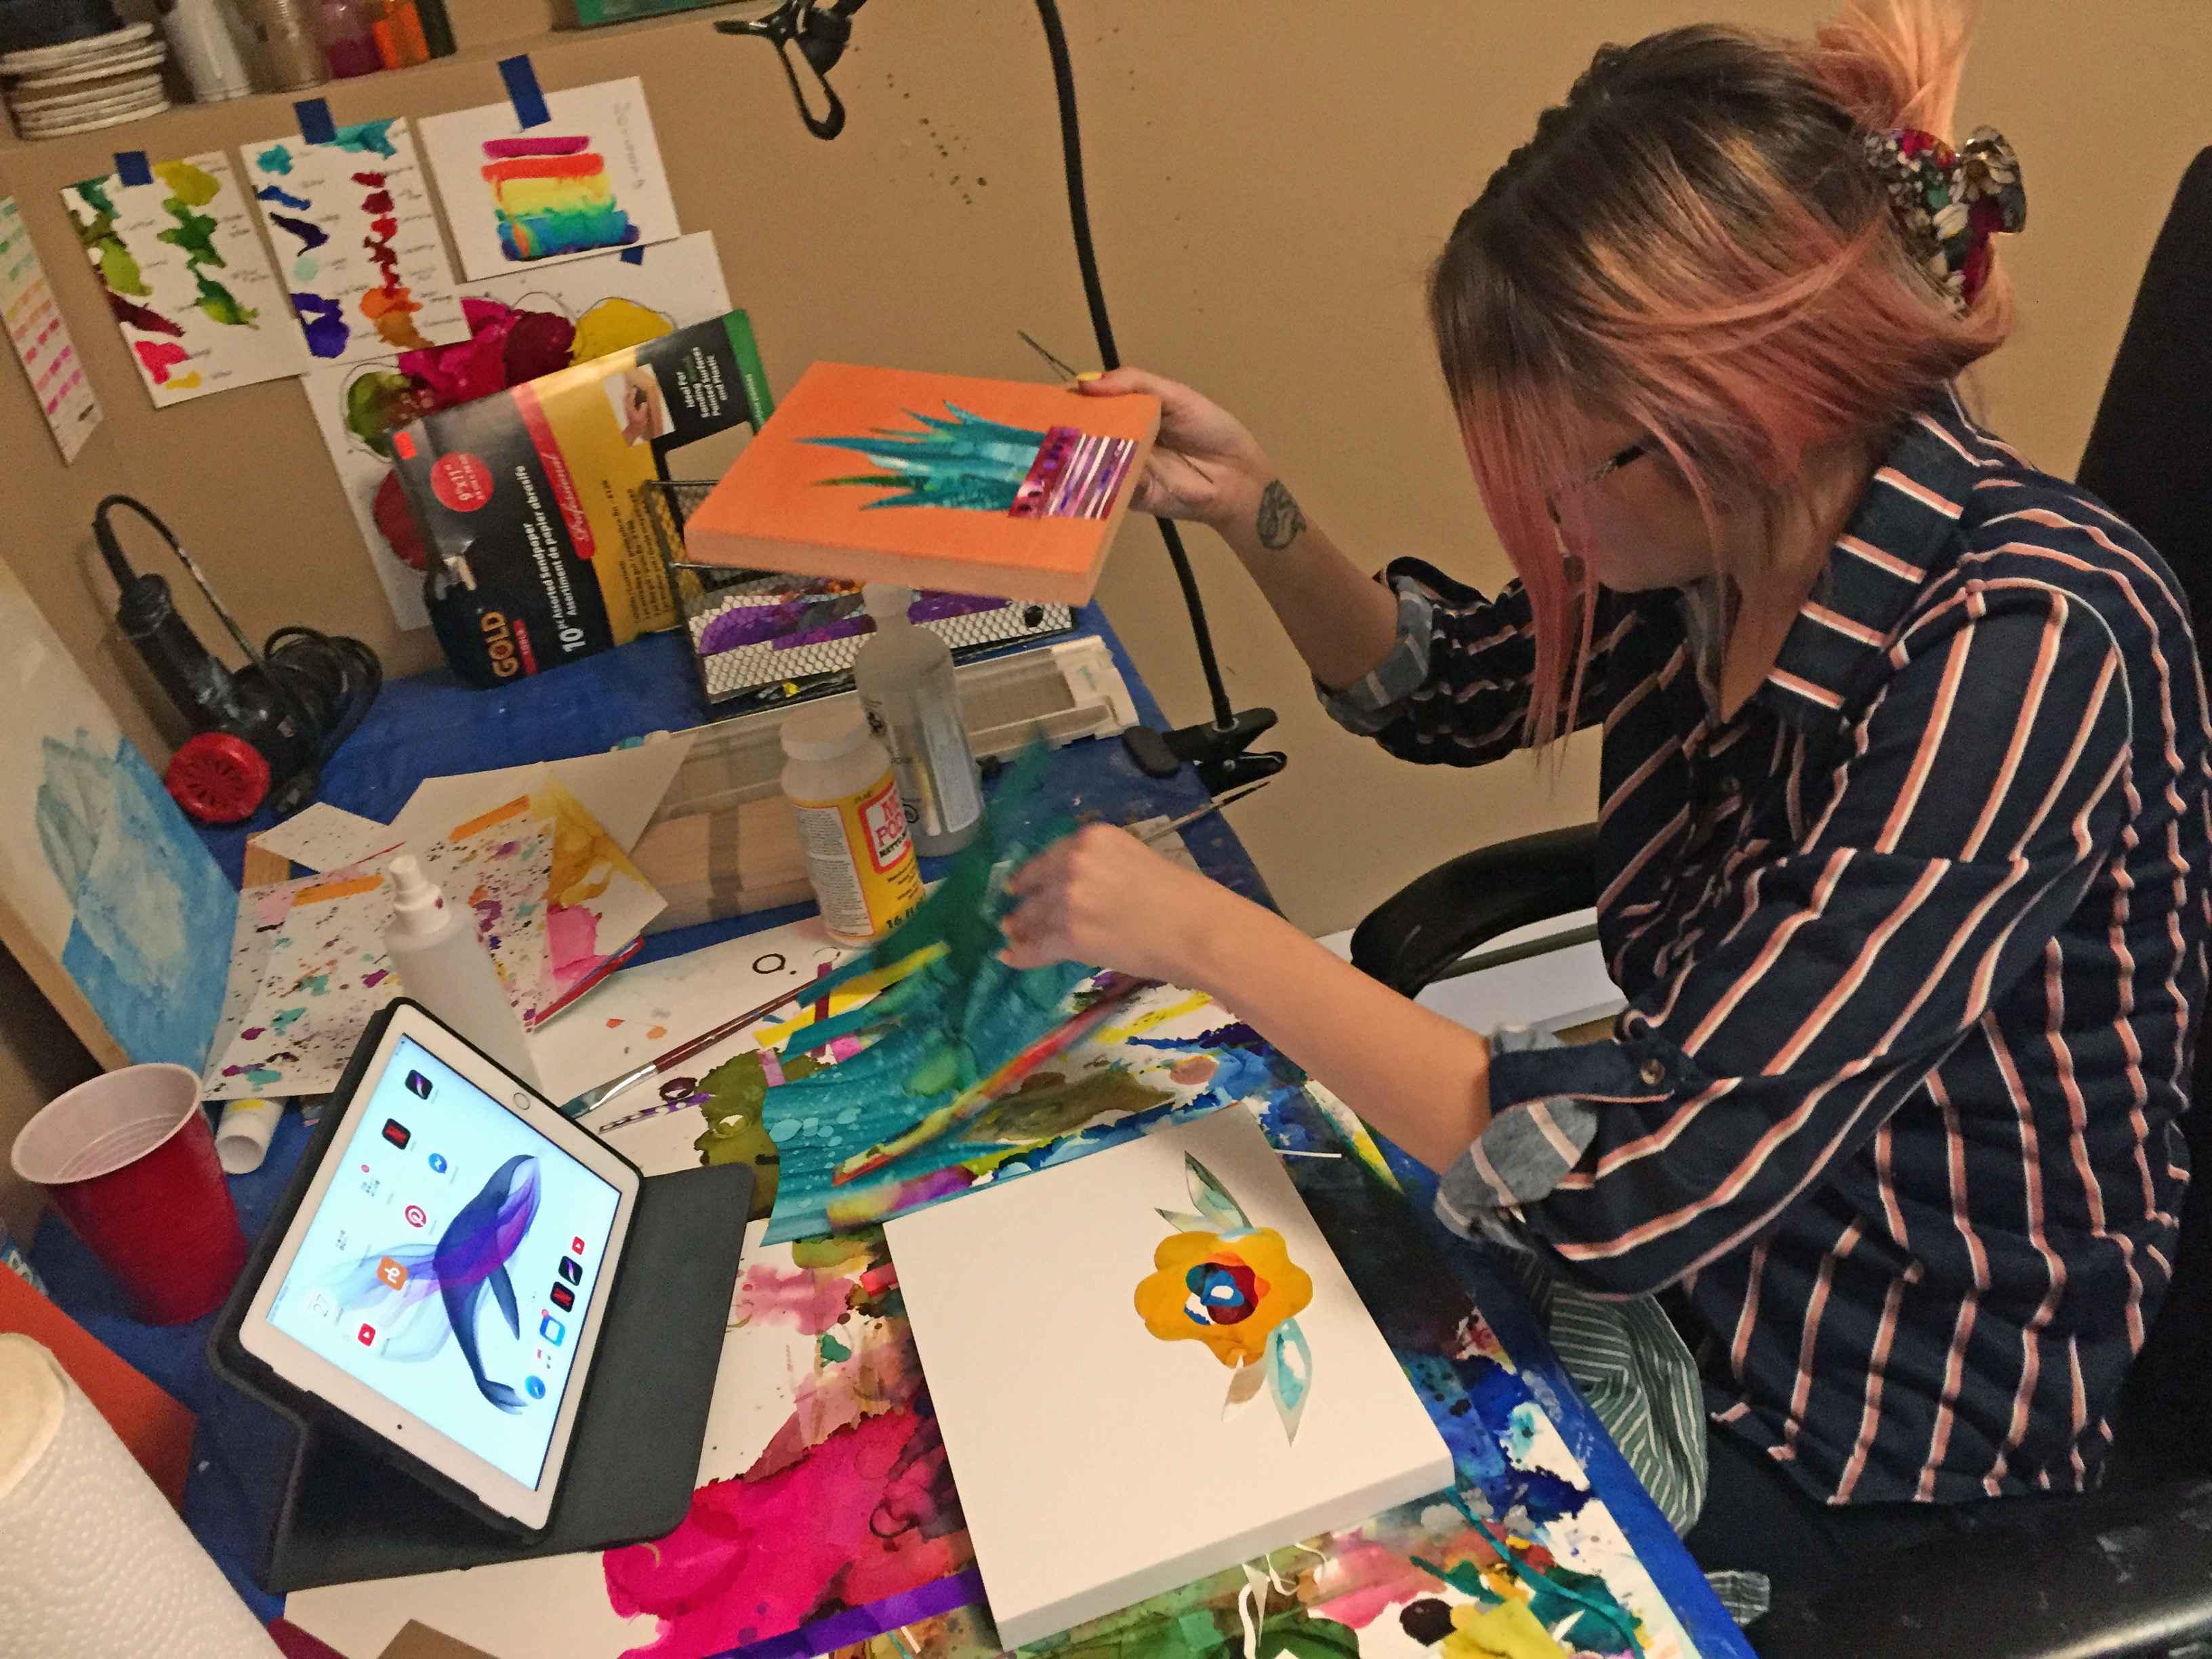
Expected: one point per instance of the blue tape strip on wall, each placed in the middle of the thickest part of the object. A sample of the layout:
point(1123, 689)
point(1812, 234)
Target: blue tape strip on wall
point(633, 256)
point(314, 118)
point(522, 91)
point(131, 167)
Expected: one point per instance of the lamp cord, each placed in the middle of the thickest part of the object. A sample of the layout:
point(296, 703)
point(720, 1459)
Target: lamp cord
point(1086, 255)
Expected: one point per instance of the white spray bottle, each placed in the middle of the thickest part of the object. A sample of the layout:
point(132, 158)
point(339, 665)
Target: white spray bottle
point(904, 677)
point(444, 966)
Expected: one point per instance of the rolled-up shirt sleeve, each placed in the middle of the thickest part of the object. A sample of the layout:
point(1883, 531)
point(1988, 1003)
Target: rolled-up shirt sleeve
point(1455, 688)
point(1973, 804)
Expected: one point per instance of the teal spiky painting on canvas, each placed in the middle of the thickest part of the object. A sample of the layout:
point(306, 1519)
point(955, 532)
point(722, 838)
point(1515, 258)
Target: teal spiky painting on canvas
point(995, 487)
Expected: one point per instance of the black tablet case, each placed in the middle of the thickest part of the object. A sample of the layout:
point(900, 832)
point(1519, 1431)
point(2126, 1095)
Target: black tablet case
point(351, 1511)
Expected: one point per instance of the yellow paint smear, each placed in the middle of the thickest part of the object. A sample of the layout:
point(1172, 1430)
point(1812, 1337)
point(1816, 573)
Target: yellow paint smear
point(853, 993)
point(1144, 1023)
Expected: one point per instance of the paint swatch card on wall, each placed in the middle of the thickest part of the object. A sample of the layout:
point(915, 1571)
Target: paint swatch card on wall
point(935, 481)
point(1207, 1381)
point(186, 278)
point(41, 337)
point(358, 242)
point(521, 325)
point(586, 179)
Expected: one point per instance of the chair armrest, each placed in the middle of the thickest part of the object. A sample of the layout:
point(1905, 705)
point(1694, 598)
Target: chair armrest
point(2100, 1576)
point(1433, 920)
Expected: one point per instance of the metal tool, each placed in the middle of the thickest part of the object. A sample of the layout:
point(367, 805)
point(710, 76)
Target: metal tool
point(1065, 373)
point(591, 1099)
point(1159, 832)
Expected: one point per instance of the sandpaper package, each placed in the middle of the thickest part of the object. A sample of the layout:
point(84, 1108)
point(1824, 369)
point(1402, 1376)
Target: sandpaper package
point(540, 551)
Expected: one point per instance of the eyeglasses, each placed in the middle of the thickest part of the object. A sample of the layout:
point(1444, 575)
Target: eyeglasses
point(1620, 457)
point(1605, 468)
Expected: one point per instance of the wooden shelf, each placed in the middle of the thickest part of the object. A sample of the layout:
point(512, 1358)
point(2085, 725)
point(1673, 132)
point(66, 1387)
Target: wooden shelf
point(186, 128)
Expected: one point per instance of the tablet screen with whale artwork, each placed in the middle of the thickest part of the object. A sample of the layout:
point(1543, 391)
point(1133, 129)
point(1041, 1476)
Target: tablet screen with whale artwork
point(443, 1280)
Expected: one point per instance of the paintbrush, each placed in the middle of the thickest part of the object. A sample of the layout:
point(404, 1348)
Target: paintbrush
point(1066, 373)
point(591, 1099)
point(1161, 831)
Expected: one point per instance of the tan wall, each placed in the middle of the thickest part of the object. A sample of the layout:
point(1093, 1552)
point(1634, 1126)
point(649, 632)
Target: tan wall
point(1269, 181)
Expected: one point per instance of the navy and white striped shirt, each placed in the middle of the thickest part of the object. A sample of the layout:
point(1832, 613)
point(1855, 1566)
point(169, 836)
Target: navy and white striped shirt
point(1914, 947)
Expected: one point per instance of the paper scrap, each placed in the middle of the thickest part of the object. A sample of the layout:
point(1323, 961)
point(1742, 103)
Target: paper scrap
point(186, 278)
point(621, 788)
point(358, 240)
point(324, 837)
point(589, 180)
point(41, 337)
point(417, 1640)
point(605, 302)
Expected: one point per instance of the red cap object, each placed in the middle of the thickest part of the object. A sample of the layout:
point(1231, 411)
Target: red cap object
point(218, 777)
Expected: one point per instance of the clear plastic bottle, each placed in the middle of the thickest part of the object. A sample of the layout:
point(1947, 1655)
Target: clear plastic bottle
point(851, 829)
point(348, 41)
point(904, 675)
point(444, 966)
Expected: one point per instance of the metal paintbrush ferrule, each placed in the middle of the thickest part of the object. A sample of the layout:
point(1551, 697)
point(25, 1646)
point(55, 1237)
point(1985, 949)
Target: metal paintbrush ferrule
point(591, 1099)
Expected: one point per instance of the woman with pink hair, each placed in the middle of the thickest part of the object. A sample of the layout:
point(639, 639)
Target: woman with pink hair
point(1903, 838)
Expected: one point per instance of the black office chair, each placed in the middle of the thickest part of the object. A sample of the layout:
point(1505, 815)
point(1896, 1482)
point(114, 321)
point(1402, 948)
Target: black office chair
point(2127, 1570)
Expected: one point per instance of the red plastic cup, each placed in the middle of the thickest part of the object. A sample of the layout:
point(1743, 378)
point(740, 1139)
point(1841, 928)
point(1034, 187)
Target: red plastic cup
point(128, 1160)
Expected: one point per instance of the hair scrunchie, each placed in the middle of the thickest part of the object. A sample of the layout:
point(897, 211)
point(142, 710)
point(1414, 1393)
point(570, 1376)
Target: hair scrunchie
point(1949, 203)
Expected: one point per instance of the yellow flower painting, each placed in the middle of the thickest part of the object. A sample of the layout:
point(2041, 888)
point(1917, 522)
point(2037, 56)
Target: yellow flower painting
point(1220, 1281)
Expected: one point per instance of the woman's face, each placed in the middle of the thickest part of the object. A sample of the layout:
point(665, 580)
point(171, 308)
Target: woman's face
point(1645, 528)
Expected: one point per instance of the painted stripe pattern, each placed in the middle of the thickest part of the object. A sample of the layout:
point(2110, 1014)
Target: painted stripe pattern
point(1914, 947)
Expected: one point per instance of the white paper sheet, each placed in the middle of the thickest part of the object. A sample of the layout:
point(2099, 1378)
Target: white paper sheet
point(187, 278)
point(588, 180)
point(325, 837)
point(41, 337)
point(357, 238)
point(621, 788)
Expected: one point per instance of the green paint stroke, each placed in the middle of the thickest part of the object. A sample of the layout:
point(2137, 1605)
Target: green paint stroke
point(119, 272)
point(366, 137)
point(194, 233)
point(735, 1091)
point(221, 305)
point(187, 184)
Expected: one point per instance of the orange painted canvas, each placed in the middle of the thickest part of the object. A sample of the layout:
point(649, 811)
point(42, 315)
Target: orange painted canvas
point(938, 480)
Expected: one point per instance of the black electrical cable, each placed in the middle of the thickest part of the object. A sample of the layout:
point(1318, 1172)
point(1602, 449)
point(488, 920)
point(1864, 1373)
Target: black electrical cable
point(1086, 255)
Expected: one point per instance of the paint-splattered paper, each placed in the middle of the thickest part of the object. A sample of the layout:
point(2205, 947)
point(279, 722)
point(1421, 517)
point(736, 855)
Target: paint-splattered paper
point(587, 181)
point(324, 837)
point(556, 900)
point(574, 312)
point(186, 278)
point(107, 882)
point(41, 337)
point(318, 974)
point(358, 239)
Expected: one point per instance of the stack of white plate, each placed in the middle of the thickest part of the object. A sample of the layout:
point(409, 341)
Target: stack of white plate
point(53, 91)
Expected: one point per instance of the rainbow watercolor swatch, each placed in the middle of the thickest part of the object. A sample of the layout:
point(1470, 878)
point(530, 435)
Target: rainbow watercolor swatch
point(585, 181)
point(552, 197)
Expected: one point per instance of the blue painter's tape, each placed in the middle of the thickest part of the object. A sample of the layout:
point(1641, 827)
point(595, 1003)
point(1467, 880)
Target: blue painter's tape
point(633, 256)
point(315, 124)
point(522, 91)
point(131, 167)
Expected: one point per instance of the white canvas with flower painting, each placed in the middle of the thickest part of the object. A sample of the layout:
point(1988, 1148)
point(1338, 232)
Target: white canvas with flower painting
point(1163, 1327)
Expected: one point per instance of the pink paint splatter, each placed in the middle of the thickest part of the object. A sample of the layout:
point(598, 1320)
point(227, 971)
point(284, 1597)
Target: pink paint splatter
point(368, 980)
point(572, 933)
point(870, 1513)
point(1362, 1580)
point(813, 1301)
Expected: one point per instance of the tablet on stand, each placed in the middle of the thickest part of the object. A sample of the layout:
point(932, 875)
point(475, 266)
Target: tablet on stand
point(494, 1339)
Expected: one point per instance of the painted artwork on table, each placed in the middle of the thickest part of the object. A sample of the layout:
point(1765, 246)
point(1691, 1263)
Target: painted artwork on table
point(1156, 1480)
point(107, 894)
point(357, 240)
point(517, 327)
point(186, 279)
point(587, 181)
point(1220, 1281)
point(825, 1511)
point(556, 902)
point(997, 487)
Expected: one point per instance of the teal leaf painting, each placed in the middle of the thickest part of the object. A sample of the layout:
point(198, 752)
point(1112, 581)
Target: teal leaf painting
point(966, 461)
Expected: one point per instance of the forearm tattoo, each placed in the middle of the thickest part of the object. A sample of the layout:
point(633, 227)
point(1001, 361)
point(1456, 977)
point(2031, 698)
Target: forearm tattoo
point(1278, 522)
